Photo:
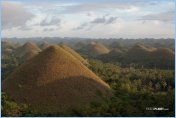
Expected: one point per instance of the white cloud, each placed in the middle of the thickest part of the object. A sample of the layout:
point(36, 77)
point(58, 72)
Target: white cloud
point(105, 20)
point(14, 15)
point(164, 16)
point(50, 20)
point(94, 7)
point(91, 19)
point(80, 27)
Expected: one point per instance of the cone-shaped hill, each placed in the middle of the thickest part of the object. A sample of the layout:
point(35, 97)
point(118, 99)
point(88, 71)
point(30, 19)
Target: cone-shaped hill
point(95, 49)
point(139, 47)
point(79, 45)
point(28, 55)
point(44, 45)
point(137, 53)
point(115, 51)
point(163, 57)
point(113, 56)
point(28, 48)
point(53, 81)
point(75, 54)
point(150, 57)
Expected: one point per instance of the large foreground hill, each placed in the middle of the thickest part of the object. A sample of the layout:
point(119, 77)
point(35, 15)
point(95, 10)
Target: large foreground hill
point(54, 81)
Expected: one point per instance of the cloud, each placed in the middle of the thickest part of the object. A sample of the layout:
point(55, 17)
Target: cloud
point(48, 21)
point(104, 20)
point(136, 18)
point(94, 7)
point(164, 16)
point(24, 27)
point(111, 20)
point(100, 20)
point(82, 26)
point(48, 29)
point(14, 15)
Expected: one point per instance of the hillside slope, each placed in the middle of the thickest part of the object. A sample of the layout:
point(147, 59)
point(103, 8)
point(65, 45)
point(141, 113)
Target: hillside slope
point(54, 81)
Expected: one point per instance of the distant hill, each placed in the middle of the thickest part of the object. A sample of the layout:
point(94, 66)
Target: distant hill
point(28, 48)
point(141, 56)
point(137, 54)
point(94, 49)
point(44, 45)
point(54, 81)
point(79, 45)
point(113, 56)
point(28, 55)
point(117, 45)
point(163, 58)
point(150, 57)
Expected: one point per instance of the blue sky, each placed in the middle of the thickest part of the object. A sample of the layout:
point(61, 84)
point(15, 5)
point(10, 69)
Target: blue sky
point(88, 18)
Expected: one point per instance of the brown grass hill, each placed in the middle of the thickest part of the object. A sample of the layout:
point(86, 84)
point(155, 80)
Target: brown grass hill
point(117, 45)
point(163, 58)
point(138, 53)
point(151, 48)
point(54, 81)
point(115, 55)
point(74, 53)
point(96, 48)
point(44, 45)
point(28, 55)
point(79, 45)
point(26, 48)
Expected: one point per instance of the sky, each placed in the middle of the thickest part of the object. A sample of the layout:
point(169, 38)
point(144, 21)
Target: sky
point(88, 18)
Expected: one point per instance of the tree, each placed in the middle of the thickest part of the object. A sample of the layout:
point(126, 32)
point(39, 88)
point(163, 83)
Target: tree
point(11, 108)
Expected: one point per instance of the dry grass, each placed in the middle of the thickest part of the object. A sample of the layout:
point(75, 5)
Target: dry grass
point(137, 52)
point(95, 48)
point(53, 81)
point(29, 55)
point(44, 45)
point(163, 54)
point(27, 47)
point(75, 54)
point(162, 57)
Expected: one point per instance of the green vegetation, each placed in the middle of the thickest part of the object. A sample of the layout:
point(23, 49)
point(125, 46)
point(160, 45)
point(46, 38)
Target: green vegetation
point(10, 108)
point(136, 89)
point(8, 65)
point(142, 80)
